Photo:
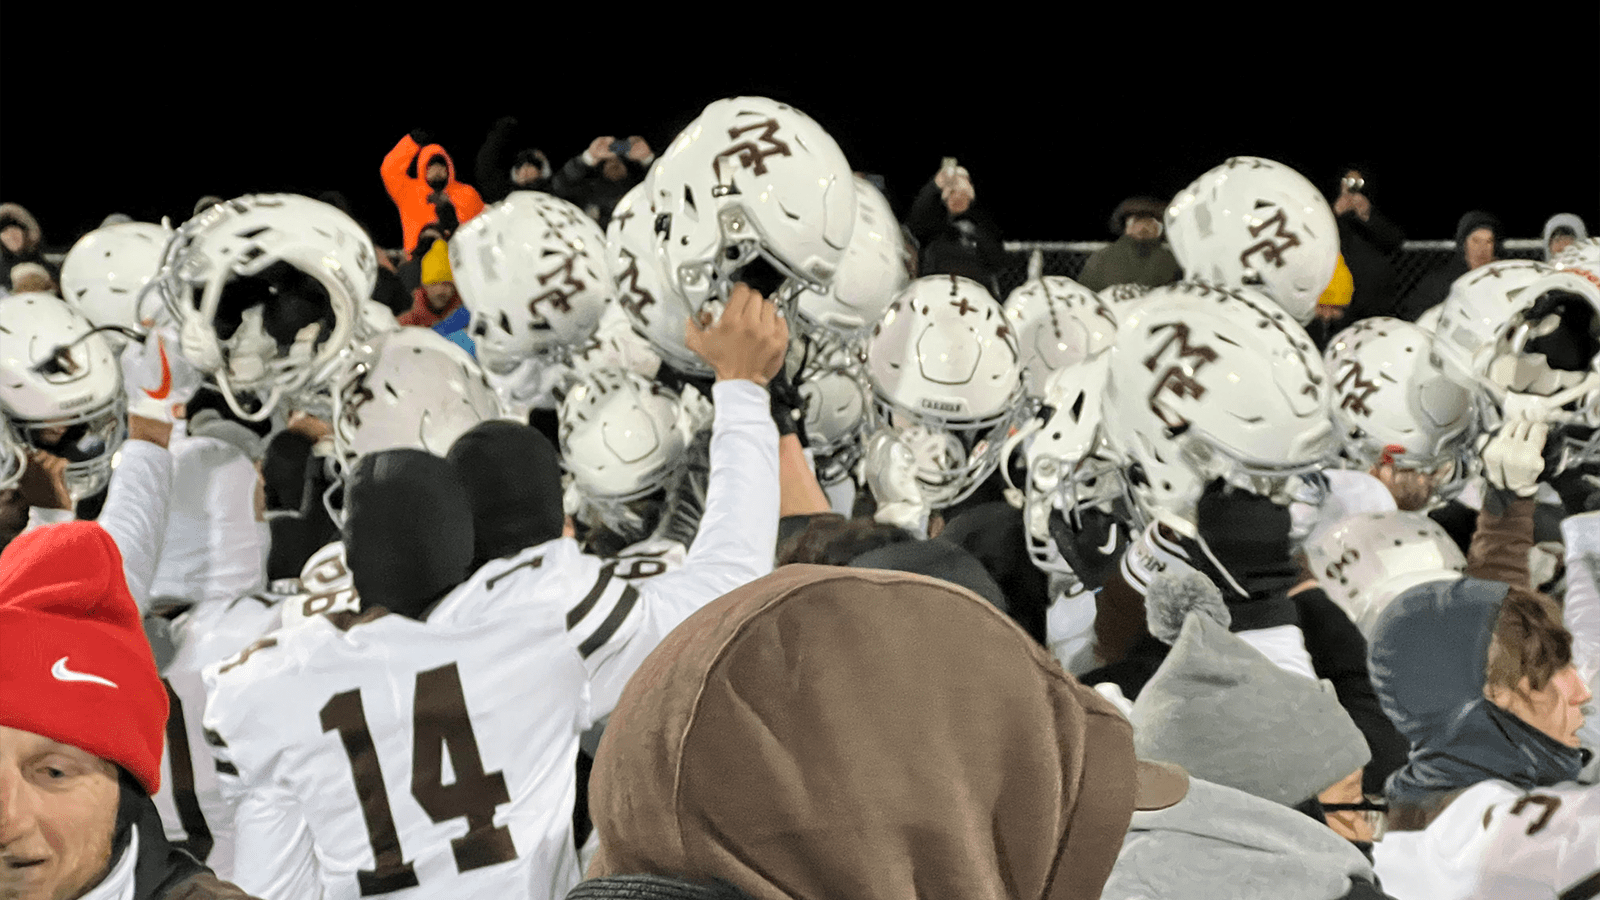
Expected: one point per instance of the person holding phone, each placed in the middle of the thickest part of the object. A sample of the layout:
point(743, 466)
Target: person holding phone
point(596, 179)
point(1368, 240)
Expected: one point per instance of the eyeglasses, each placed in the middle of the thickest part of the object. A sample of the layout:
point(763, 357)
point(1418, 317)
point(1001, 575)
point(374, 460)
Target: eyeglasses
point(1374, 812)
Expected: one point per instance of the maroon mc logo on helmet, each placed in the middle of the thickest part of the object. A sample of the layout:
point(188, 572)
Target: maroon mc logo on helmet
point(1178, 378)
point(752, 154)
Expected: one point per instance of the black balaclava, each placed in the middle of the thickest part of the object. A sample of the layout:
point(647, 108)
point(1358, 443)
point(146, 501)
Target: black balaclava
point(407, 531)
point(511, 478)
point(1248, 535)
point(438, 184)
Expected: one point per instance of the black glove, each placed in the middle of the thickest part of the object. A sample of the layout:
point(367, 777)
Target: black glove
point(1092, 544)
point(422, 137)
point(788, 407)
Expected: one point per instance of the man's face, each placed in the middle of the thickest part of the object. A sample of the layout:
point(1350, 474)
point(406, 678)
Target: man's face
point(13, 237)
point(1143, 228)
point(1557, 710)
point(437, 173)
point(58, 813)
point(1559, 243)
point(614, 169)
point(439, 295)
point(1480, 248)
point(526, 174)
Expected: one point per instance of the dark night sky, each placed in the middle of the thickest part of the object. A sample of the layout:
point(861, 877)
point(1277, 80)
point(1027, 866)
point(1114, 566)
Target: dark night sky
point(1055, 127)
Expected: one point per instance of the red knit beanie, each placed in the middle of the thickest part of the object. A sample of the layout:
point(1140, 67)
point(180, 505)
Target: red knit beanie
point(75, 665)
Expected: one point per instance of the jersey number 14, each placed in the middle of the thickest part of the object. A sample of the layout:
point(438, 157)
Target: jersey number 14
point(439, 720)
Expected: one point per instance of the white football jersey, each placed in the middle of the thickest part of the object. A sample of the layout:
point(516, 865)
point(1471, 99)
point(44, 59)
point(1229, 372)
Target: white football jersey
point(373, 754)
point(193, 812)
point(1497, 841)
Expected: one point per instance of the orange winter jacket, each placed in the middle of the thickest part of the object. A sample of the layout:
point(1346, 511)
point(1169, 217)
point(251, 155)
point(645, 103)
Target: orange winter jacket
point(410, 193)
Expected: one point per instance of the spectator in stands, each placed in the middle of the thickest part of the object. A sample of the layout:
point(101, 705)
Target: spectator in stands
point(596, 179)
point(436, 299)
point(1560, 231)
point(499, 170)
point(421, 180)
point(21, 241)
point(1137, 256)
point(734, 755)
point(80, 740)
point(31, 276)
point(1368, 240)
point(1479, 241)
point(957, 236)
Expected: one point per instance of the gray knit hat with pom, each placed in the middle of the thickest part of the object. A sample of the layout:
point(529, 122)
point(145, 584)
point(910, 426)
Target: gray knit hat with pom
point(1227, 714)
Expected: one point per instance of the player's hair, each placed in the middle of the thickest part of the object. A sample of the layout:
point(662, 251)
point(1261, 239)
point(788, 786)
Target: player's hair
point(830, 540)
point(1529, 642)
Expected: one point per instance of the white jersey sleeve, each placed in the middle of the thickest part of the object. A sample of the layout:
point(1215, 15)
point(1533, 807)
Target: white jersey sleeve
point(1496, 841)
point(136, 510)
point(214, 548)
point(618, 623)
point(1581, 608)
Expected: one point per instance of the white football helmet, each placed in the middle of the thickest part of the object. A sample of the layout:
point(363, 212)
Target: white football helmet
point(658, 313)
point(1475, 313)
point(752, 184)
point(837, 407)
point(622, 435)
point(407, 388)
point(61, 387)
point(1070, 469)
point(1058, 323)
point(1394, 401)
point(623, 439)
point(267, 291)
point(1549, 350)
point(945, 376)
point(1211, 382)
point(876, 267)
point(106, 271)
point(532, 270)
point(1258, 223)
point(1369, 559)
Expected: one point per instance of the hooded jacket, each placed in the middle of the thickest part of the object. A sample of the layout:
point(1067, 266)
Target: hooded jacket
point(828, 732)
point(1435, 285)
point(1562, 220)
point(1219, 842)
point(1368, 247)
point(410, 193)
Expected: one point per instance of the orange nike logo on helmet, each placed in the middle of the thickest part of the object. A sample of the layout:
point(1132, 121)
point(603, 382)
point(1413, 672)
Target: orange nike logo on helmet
point(161, 392)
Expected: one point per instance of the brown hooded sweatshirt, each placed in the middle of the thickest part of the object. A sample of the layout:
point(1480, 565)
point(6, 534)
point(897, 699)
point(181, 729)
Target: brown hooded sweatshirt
point(827, 733)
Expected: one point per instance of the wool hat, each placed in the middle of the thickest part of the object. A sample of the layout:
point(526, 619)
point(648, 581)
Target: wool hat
point(75, 665)
point(1227, 714)
point(436, 264)
point(1341, 288)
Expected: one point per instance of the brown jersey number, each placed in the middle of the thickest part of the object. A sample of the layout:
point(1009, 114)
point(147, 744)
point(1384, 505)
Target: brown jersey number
point(439, 722)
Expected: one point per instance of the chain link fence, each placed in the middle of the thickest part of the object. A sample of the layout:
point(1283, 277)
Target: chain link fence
point(1415, 259)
